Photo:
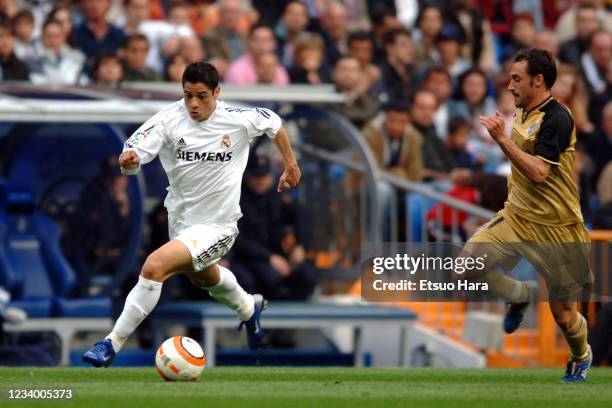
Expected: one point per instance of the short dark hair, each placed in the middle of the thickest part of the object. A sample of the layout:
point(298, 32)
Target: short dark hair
point(202, 72)
point(456, 123)
point(436, 69)
point(390, 36)
point(360, 35)
point(397, 105)
point(49, 22)
point(134, 37)
point(539, 61)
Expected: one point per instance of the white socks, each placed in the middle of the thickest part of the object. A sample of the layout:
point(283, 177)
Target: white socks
point(138, 304)
point(231, 294)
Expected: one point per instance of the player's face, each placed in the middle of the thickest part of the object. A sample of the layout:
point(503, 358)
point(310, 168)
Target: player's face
point(521, 84)
point(200, 100)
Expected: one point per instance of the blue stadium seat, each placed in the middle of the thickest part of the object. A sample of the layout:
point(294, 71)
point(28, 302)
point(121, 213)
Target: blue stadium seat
point(33, 266)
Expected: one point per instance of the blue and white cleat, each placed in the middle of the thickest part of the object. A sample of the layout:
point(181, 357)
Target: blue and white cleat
point(577, 370)
point(253, 328)
point(101, 354)
point(514, 316)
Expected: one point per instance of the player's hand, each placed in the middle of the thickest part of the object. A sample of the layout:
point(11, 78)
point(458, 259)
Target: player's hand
point(290, 177)
point(281, 265)
point(129, 160)
point(495, 125)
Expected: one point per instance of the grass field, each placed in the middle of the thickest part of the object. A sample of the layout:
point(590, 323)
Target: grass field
point(325, 387)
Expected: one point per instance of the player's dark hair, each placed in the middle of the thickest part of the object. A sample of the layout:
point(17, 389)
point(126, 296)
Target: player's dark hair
point(541, 62)
point(201, 72)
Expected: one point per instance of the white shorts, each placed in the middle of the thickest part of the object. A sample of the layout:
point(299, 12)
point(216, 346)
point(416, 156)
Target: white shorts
point(207, 244)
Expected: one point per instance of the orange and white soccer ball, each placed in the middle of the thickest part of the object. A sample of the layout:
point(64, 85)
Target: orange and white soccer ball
point(180, 359)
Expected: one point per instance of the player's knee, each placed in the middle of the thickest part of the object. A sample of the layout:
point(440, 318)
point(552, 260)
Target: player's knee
point(153, 269)
point(563, 320)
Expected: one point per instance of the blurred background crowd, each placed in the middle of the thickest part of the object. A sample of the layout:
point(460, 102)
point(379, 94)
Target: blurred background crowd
point(416, 74)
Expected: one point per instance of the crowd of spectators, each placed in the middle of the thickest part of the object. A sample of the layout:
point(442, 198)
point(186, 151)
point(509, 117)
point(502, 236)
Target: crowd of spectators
point(433, 66)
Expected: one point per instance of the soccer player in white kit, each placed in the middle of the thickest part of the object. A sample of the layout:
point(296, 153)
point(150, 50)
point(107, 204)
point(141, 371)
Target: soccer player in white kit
point(203, 145)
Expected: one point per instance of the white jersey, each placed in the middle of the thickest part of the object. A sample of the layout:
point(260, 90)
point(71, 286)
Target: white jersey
point(204, 160)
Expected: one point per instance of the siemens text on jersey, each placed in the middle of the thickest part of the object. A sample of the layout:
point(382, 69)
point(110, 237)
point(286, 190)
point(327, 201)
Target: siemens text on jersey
point(203, 156)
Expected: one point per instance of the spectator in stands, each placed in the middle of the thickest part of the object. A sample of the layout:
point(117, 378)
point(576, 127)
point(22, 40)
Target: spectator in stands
point(359, 106)
point(11, 67)
point(9, 8)
point(457, 143)
point(164, 37)
point(569, 90)
point(383, 21)
point(308, 65)
point(23, 28)
point(269, 253)
point(96, 35)
point(471, 102)
point(438, 81)
point(267, 65)
point(567, 24)
point(505, 106)
point(395, 144)
point(134, 53)
point(397, 71)
point(602, 216)
point(594, 62)
point(62, 15)
point(53, 61)
point(599, 144)
point(227, 41)
point(437, 160)
point(429, 23)
point(546, 40)
point(243, 71)
point(192, 49)
point(98, 234)
point(108, 70)
point(293, 22)
point(175, 68)
point(586, 24)
point(522, 33)
point(478, 48)
point(361, 47)
point(448, 44)
point(334, 21)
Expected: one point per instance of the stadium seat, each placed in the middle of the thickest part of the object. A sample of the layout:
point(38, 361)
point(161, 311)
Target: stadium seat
point(33, 266)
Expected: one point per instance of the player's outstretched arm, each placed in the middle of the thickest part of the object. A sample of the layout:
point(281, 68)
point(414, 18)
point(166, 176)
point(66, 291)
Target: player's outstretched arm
point(129, 161)
point(291, 175)
point(532, 167)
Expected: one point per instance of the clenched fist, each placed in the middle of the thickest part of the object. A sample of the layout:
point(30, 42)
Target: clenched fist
point(129, 160)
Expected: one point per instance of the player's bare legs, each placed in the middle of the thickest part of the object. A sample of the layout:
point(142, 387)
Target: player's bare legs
point(574, 328)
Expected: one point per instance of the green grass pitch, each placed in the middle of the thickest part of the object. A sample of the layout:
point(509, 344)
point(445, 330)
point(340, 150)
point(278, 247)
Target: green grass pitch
point(319, 387)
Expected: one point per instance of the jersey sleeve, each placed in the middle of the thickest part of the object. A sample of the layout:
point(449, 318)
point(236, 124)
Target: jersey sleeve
point(553, 137)
point(147, 141)
point(261, 121)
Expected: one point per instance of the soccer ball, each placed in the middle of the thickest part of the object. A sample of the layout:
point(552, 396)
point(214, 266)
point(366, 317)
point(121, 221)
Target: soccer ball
point(180, 359)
